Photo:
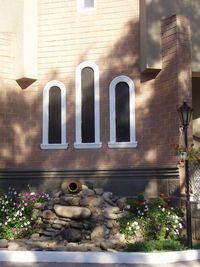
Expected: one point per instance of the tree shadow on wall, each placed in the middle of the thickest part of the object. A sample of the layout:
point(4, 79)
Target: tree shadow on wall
point(21, 118)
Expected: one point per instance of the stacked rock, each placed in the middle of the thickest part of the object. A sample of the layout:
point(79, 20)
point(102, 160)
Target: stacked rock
point(82, 217)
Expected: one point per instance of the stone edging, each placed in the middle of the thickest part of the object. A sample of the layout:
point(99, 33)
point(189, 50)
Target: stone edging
point(99, 257)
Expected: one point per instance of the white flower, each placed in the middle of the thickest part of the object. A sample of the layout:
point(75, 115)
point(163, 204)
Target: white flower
point(129, 228)
point(163, 209)
point(15, 193)
point(137, 227)
point(159, 206)
point(0, 224)
point(128, 206)
point(6, 223)
point(32, 193)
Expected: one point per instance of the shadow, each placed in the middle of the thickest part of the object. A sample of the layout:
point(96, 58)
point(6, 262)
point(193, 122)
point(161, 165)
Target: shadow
point(159, 9)
point(157, 125)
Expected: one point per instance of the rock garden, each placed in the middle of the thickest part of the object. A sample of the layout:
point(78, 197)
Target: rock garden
point(82, 218)
point(77, 218)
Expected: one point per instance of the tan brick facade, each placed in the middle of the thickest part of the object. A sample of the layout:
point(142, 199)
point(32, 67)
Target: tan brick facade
point(108, 36)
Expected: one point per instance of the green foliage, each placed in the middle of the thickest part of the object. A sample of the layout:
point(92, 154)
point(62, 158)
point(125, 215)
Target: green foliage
point(16, 213)
point(154, 220)
point(155, 245)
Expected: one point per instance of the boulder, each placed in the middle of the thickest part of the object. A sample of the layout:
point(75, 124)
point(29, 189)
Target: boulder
point(99, 231)
point(3, 243)
point(72, 235)
point(72, 212)
point(71, 201)
point(99, 191)
point(91, 201)
point(48, 214)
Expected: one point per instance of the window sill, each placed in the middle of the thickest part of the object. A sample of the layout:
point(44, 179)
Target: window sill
point(54, 146)
point(87, 145)
point(122, 144)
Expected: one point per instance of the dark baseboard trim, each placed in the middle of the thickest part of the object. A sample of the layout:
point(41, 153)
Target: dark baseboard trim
point(169, 172)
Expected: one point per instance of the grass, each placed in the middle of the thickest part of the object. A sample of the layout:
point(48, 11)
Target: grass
point(155, 246)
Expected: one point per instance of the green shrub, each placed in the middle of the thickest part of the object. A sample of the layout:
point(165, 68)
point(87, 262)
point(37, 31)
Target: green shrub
point(152, 220)
point(16, 213)
point(155, 245)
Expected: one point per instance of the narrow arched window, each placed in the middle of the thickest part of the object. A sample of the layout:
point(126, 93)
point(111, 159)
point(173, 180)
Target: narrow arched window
point(87, 106)
point(122, 113)
point(54, 116)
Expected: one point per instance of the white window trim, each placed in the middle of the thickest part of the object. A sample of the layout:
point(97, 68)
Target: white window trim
point(112, 143)
point(45, 123)
point(81, 8)
point(78, 144)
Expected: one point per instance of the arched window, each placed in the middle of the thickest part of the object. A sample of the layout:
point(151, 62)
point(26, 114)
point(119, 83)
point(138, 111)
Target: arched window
point(54, 116)
point(122, 113)
point(87, 106)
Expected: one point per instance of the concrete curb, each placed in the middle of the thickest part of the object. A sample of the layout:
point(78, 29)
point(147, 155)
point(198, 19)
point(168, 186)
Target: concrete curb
point(99, 257)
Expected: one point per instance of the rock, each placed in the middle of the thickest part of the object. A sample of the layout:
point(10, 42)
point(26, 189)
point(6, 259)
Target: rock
point(16, 245)
point(58, 194)
point(87, 192)
point(72, 201)
point(99, 232)
point(99, 191)
point(48, 214)
point(72, 235)
point(39, 221)
point(112, 243)
point(111, 213)
point(112, 224)
point(107, 196)
point(56, 226)
point(36, 213)
point(35, 236)
point(77, 225)
point(3, 243)
point(91, 201)
point(51, 232)
point(72, 212)
point(60, 222)
point(38, 205)
point(84, 187)
point(121, 203)
point(44, 225)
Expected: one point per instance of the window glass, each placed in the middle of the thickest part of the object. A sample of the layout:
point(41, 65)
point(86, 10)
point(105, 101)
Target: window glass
point(87, 105)
point(54, 115)
point(122, 112)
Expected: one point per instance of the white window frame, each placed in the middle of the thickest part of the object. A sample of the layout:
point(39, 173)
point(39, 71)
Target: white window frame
point(81, 8)
point(45, 123)
point(113, 143)
point(78, 144)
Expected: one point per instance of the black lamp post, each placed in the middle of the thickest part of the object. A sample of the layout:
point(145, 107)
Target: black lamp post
point(185, 113)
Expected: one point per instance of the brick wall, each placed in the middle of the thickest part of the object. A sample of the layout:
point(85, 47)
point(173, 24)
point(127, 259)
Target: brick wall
point(109, 36)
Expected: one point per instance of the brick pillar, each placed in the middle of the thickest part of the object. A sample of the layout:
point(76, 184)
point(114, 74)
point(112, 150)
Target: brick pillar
point(176, 54)
point(174, 83)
